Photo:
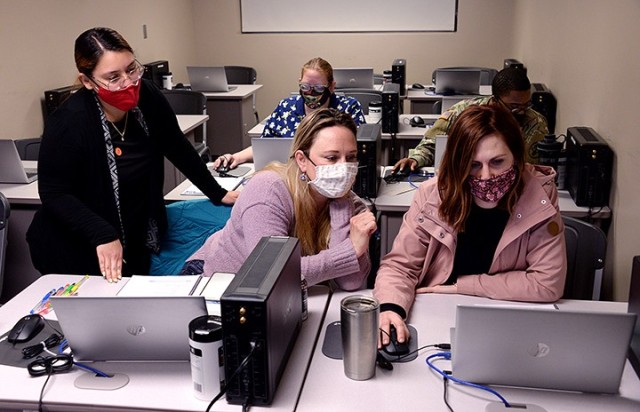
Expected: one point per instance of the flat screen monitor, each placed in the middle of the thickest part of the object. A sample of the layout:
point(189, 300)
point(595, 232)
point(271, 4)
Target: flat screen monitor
point(457, 82)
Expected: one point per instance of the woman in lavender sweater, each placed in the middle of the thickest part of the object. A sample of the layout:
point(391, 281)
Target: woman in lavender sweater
point(309, 197)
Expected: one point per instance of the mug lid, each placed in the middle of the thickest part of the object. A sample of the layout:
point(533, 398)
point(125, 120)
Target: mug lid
point(205, 329)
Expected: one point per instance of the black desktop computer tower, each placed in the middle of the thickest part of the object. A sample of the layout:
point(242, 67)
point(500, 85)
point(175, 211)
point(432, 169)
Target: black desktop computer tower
point(54, 98)
point(589, 164)
point(544, 103)
point(369, 168)
point(390, 107)
point(261, 312)
point(399, 74)
point(155, 70)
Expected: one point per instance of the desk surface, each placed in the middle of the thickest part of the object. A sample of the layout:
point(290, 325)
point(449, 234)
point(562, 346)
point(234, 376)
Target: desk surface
point(176, 194)
point(241, 91)
point(425, 94)
point(412, 386)
point(156, 386)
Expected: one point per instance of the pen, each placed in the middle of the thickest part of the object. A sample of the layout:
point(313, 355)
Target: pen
point(75, 288)
point(43, 301)
point(67, 291)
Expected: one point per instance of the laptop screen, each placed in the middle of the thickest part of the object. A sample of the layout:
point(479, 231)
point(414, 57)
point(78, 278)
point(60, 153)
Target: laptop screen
point(358, 77)
point(269, 149)
point(634, 307)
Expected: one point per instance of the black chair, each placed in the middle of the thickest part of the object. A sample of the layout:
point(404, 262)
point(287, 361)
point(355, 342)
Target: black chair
point(5, 210)
point(364, 96)
point(190, 102)
point(586, 249)
point(243, 75)
point(28, 149)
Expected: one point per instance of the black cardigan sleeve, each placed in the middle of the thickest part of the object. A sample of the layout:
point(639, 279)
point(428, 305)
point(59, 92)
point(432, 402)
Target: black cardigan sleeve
point(176, 147)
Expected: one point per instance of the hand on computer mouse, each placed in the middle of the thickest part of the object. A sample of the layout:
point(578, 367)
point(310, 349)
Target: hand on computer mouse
point(406, 166)
point(395, 347)
point(224, 163)
point(390, 318)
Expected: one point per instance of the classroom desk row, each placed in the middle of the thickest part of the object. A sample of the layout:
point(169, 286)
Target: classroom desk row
point(310, 382)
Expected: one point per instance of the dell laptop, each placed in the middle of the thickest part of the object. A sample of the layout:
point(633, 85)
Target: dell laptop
point(208, 79)
point(541, 348)
point(11, 168)
point(458, 82)
point(119, 328)
point(269, 149)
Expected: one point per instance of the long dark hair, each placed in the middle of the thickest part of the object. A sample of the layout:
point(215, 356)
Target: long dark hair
point(91, 45)
point(475, 123)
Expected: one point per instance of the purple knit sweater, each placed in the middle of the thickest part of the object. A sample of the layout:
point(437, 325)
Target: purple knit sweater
point(265, 208)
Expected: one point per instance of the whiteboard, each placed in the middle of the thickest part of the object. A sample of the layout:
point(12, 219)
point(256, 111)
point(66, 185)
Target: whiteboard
point(308, 16)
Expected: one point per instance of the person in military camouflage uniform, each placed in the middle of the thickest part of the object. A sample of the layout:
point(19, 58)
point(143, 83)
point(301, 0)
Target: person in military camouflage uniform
point(512, 89)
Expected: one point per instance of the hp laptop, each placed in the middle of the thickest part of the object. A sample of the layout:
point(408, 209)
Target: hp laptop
point(634, 307)
point(541, 348)
point(208, 79)
point(269, 149)
point(119, 328)
point(11, 169)
point(441, 145)
point(458, 82)
point(356, 78)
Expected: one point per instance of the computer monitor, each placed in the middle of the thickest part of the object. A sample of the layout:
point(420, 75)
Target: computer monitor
point(634, 307)
point(355, 77)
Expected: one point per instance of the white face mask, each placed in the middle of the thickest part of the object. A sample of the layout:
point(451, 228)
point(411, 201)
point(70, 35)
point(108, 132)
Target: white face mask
point(335, 180)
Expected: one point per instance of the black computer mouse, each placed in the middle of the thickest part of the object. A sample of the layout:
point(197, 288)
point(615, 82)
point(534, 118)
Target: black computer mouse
point(417, 121)
point(417, 86)
point(26, 329)
point(222, 169)
point(395, 348)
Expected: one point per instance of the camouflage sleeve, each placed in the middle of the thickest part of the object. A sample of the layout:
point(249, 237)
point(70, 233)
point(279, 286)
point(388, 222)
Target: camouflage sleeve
point(534, 131)
point(424, 152)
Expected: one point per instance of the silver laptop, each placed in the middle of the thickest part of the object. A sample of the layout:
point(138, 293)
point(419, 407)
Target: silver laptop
point(356, 77)
point(462, 82)
point(208, 79)
point(11, 168)
point(541, 348)
point(269, 149)
point(441, 145)
point(119, 328)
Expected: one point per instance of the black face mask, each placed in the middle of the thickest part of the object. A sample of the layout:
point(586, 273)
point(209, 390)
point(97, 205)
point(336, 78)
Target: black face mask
point(315, 100)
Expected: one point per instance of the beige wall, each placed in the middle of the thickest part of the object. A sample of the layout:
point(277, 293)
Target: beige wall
point(586, 52)
point(484, 38)
point(582, 49)
point(37, 37)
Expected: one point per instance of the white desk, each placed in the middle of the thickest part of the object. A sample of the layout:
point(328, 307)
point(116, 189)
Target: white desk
point(412, 386)
point(153, 386)
point(24, 199)
point(176, 195)
point(394, 200)
point(231, 118)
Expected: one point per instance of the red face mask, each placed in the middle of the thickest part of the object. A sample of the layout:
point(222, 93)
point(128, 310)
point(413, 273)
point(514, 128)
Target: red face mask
point(123, 99)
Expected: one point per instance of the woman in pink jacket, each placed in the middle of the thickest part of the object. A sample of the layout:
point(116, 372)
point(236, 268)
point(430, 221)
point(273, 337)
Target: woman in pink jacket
point(488, 226)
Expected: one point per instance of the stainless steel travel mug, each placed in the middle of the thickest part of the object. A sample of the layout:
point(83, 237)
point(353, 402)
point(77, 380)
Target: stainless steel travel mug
point(359, 326)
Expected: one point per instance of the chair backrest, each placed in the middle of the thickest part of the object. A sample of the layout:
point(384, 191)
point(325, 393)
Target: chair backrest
point(186, 101)
point(486, 73)
point(586, 249)
point(364, 96)
point(240, 74)
point(28, 149)
point(5, 210)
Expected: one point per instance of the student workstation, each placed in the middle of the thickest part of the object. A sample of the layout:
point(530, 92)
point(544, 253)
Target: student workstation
point(226, 87)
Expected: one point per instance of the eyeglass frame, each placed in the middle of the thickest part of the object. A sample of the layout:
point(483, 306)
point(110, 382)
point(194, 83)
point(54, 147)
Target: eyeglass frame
point(126, 77)
point(313, 87)
point(519, 109)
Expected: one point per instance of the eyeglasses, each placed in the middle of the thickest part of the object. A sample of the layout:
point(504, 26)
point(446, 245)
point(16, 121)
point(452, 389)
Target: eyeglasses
point(318, 88)
point(117, 81)
point(517, 107)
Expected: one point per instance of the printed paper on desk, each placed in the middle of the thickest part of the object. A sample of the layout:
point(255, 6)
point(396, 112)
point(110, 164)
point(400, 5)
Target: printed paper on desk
point(140, 285)
point(227, 183)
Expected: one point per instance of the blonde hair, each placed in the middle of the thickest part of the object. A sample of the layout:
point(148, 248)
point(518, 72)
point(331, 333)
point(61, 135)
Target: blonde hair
point(320, 65)
point(311, 227)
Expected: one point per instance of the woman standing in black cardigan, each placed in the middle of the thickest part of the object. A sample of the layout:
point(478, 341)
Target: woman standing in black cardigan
point(101, 167)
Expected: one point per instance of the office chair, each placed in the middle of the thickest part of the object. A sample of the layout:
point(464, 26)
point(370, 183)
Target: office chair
point(28, 149)
point(486, 74)
point(5, 210)
point(243, 75)
point(586, 248)
point(364, 96)
point(190, 102)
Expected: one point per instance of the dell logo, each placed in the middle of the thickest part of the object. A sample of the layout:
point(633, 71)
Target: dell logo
point(136, 330)
point(539, 351)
